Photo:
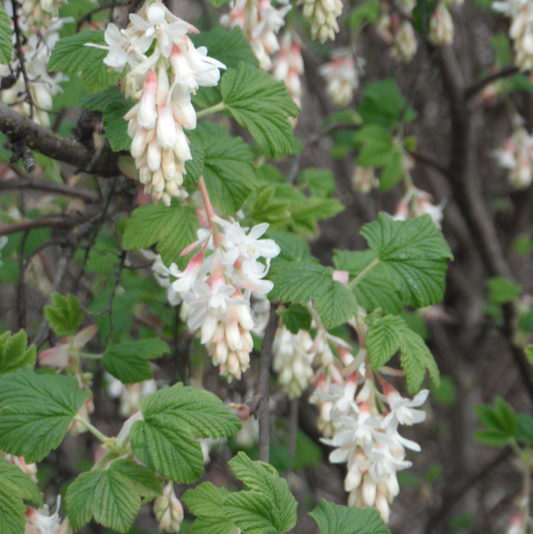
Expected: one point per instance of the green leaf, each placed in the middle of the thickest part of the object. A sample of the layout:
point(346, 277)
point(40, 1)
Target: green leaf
point(36, 411)
point(364, 14)
point(529, 353)
point(65, 316)
point(268, 506)
point(297, 317)
point(105, 494)
point(293, 247)
point(12, 512)
point(71, 56)
point(14, 352)
point(376, 289)
point(500, 422)
point(19, 483)
point(392, 173)
point(164, 440)
point(6, 37)
point(386, 335)
point(503, 54)
point(172, 228)
point(129, 361)
point(377, 146)
point(195, 166)
point(319, 182)
point(262, 106)
point(502, 290)
point(207, 503)
point(524, 431)
point(336, 305)
point(228, 167)
point(336, 519)
point(145, 481)
point(414, 253)
point(384, 104)
point(113, 106)
point(230, 47)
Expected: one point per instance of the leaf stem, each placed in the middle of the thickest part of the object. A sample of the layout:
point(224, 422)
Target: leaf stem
point(93, 430)
point(363, 273)
point(213, 109)
point(91, 356)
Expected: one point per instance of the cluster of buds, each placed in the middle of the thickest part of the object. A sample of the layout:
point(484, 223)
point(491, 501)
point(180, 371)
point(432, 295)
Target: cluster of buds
point(293, 360)
point(67, 356)
point(322, 16)
point(156, 122)
point(364, 179)
point(521, 30)
point(342, 75)
point(217, 285)
point(367, 439)
point(260, 22)
point(416, 203)
point(32, 96)
point(441, 26)
point(168, 510)
point(289, 65)
point(516, 155)
point(399, 33)
point(40, 13)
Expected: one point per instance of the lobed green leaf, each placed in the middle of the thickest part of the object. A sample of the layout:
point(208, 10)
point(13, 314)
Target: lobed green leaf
point(65, 316)
point(14, 352)
point(6, 37)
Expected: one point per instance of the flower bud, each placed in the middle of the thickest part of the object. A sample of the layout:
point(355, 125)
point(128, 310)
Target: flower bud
point(168, 510)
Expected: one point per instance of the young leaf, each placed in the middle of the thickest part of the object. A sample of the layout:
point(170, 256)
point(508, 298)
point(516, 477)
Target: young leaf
point(207, 503)
point(336, 519)
point(228, 46)
point(297, 317)
point(164, 440)
point(386, 335)
point(129, 361)
point(172, 228)
point(71, 56)
point(376, 289)
point(336, 305)
point(6, 37)
point(113, 106)
point(501, 423)
point(65, 316)
point(502, 290)
point(414, 253)
point(105, 494)
point(14, 353)
point(268, 506)
point(262, 106)
point(228, 167)
point(36, 411)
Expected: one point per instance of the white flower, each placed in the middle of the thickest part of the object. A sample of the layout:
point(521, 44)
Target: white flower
point(43, 521)
point(402, 409)
point(441, 26)
point(238, 245)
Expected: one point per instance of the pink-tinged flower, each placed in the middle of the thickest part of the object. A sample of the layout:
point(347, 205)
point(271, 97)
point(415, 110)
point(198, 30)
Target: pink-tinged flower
point(61, 355)
point(168, 510)
point(42, 521)
point(402, 410)
point(29, 469)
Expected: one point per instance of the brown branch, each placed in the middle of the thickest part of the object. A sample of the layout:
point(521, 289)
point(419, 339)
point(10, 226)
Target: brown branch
point(43, 222)
point(264, 384)
point(477, 87)
point(27, 183)
point(24, 130)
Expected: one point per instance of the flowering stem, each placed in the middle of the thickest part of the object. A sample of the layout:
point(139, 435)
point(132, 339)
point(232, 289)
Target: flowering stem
point(213, 109)
point(91, 356)
point(209, 210)
point(363, 273)
point(93, 430)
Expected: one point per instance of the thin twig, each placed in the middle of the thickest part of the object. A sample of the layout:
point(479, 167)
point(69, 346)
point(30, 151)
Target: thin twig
point(264, 384)
point(21, 288)
point(477, 87)
point(43, 222)
point(114, 291)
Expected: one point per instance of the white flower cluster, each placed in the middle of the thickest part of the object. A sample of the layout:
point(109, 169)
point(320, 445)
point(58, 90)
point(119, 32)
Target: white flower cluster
point(156, 122)
point(168, 510)
point(342, 76)
point(441, 28)
point(36, 49)
point(364, 179)
point(367, 439)
point(416, 203)
point(293, 360)
point(399, 33)
point(521, 30)
point(516, 155)
point(322, 15)
point(216, 289)
point(289, 65)
point(40, 13)
point(260, 22)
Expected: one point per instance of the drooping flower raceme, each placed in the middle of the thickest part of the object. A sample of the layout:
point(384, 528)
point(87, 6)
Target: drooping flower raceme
point(164, 107)
point(516, 155)
point(168, 510)
point(521, 30)
point(217, 286)
point(416, 203)
point(441, 26)
point(322, 15)
point(40, 13)
point(342, 75)
point(260, 22)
